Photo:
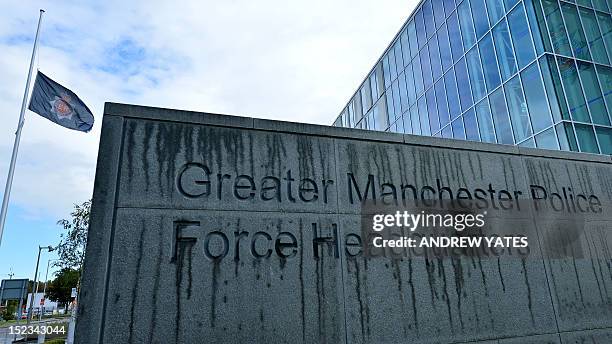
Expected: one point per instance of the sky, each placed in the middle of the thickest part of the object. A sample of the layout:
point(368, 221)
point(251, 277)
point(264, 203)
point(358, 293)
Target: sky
point(288, 60)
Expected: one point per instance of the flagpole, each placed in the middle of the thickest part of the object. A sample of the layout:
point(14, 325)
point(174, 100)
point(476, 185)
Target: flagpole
point(9, 179)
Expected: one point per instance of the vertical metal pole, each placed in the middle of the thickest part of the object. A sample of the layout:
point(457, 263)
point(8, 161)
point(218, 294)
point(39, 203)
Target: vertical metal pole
point(45, 287)
point(9, 178)
point(35, 281)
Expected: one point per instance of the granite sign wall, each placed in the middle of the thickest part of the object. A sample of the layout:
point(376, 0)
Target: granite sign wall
point(221, 229)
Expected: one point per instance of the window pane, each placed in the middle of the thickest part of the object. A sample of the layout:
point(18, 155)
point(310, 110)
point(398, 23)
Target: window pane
point(574, 30)
point(489, 62)
point(412, 38)
point(389, 102)
point(445, 49)
point(529, 143)
point(366, 97)
point(547, 140)
point(447, 132)
point(403, 92)
point(471, 128)
point(425, 67)
point(441, 101)
point(533, 25)
point(397, 99)
point(605, 23)
point(605, 76)
point(558, 36)
point(541, 24)
point(410, 85)
point(500, 117)
point(505, 55)
point(536, 98)
point(381, 119)
point(458, 131)
point(510, 3)
point(451, 94)
point(604, 135)
point(575, 98)
point(484, 121)
point(438, 9)
point(565, 134)
point(481, 22)
point(465, 21)
point(593, 35)
point(554, 73)
point(399, 61)
point(520, 36)
point(392, 66)
point(593, 94)
point(423, 117)
point(400, 125)
point(434, 55)
point(549, 85)
point(454, 34)
point(428, 18)
point(476, 77)
point(407, 123)
point(449, 5)
point(338, 122)
point(420, 27)
point(415, 121)
point(463, 85)
point(586, 138)
point(386, 71)
point(432, 111)
point(517, 109)
point(405, 47)
point(373, 86)
point(495, 9)
point(600, 5)
point(418, 80)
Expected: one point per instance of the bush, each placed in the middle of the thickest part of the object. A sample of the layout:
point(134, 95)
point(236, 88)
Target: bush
point(9, 312)
point(55, 341)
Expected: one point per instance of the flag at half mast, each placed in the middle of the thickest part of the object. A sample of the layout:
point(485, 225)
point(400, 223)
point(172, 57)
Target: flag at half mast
point(59, 104)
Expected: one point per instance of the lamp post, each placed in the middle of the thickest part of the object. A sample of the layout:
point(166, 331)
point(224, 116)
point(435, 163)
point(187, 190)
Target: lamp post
point(45, 287)
point(40, 248)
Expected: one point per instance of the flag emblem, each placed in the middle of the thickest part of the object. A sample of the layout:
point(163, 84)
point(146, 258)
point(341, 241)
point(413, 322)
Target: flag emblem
point(62, 107)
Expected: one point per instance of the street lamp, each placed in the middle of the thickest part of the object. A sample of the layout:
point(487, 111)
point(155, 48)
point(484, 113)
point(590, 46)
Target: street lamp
point(45, 287)
point(40, 248)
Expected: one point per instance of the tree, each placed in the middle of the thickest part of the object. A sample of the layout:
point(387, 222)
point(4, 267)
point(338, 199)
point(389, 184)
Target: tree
point(59, 290)
point(71, 248)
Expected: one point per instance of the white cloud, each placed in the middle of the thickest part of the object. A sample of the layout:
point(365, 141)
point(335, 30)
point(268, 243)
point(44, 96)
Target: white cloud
point(296, 61)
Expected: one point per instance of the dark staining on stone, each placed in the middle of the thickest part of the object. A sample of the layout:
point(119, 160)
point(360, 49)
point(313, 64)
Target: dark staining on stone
point(413, 295)
point(501, 275)
point(458, 273)
point(529, 296)
point(156, 283)
point(136, 278)
point(446, 298)
point(301, 277)
point(131, 128)
point(214, 290)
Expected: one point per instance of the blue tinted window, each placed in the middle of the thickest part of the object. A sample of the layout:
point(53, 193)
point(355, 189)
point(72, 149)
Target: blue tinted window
point(510, 3)
point(389, 103)
point(565, 134)
point(485, 124)
point(476, 77)
point(405, 47)
point(550, 91)
point(407, 123)
point(441, 101)
point(428, 18)
point(425, 67)
point(454, 34)
point(547, 140)
point(593, 93)
point(403, 92)
point(573, 91)
point(465, 22)
point(574, 30)
point(594, 36)
point(463, 85)
point(586, 138)
point(447, 132)
point(418, 80)
point(604, 135)
point(500, 117)
point(399, 61)
point(458, 131)
point(505, 55)
point(517, 107)
point(495, 9)
point(520, 36)
point(420, 27)
point(605, 22)
point(434, 55)
point(374, 86)
point(410, 84)
point(432, 111)
point(605, 77)
point(445, 49)
point(397, 106)
point(412, 38)
point(471, 127)
point(449, 5)
point(392, 66)
point(438, 9)
point(533, 24)
point(415, 120)
point(558, 36)
point(423, 117)
point(481, 23)
point(451, 94)
point(489, 62)
point(536, 98)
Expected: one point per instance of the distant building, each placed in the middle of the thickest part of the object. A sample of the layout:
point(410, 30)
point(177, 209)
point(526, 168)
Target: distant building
point(533, 73)
point(48, 306)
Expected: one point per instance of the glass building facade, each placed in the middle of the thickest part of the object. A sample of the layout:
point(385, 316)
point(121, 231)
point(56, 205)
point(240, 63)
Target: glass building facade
point(534, 73)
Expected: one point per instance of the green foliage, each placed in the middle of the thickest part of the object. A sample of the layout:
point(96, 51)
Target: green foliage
point(55, 341)
point(60, 288)
point(71, 249)
point(9, 311)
